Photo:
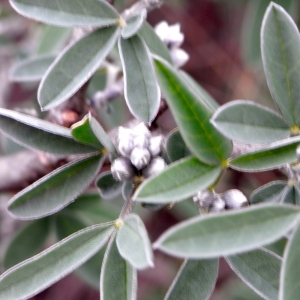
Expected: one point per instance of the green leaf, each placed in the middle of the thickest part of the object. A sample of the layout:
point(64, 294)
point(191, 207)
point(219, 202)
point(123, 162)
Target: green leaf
point(270, 192)
point(67, 13)
point(290, 271)
point(154, 43)
point(280, 47)
point(108, 187)
point(268, 158)
point(89, 131)
point(118, 279)
point(195, 280)
point(39, 134)
point(27, 242)
point(52, 39)
point(56, 190)
point(32, 69)
point(249, 122)
point(134, 244)
point(229, 232)
point(141, 90)
point(133, 24)
point(260, 270)
point(291, 194)
point(75, 65)
point(192, 117)
point(176, 147)
point(39, 272)
point(178, 181)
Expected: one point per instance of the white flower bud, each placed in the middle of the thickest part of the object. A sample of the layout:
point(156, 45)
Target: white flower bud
point(179, 57)
point(140, 157)
point(122, 169)
point(217, 205)
point(155, 145)
point(141, 129)
point(234, 199)
point(141, 141)
point(124, 141)
point(205, 199)
point(170, 35)
point(156, 166)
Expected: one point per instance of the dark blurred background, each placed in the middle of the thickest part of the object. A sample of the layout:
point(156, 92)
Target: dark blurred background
point(222, 40)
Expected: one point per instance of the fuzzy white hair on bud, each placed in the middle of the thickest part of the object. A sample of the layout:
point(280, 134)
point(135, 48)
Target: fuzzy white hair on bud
point(217, 205)
point(155, 145)
point(234, 199)
point(169, 34)
point(179, 57)
point(122, 169)
point(140, 157)
point(124, 141)
point(141, 129)
point(156, 166)
point(205, 199)
point(141, 141)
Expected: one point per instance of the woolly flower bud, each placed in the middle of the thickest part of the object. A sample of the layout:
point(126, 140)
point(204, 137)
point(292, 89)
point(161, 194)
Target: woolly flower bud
point(234, 199)
point(122, 170)
point(140, 157)
point(141, 130)
point(179, 57)
point(141, 141)
point(155, 145)
point(205, 199)
point(170, 35)
point(124, 141)
point(156, 166)
point(217, 205)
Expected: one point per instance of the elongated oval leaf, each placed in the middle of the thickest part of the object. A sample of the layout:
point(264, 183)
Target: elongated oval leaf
point(248, 122)
point(67, 13)
point(195, 280)
point(75, 65)
point(280, 47)
point(56, 190)
point(134, 244)
point(176, 147)
point(154, 43)
point(178, 181)
point(259, 269)
point(118, 278)
point(133, 24)
point(291, 195)
point(39, 272)
point(108, 187)
point(228, 233)
point(290, 271)
point(270, 192)
point(141, 90)
point(192, 117)
point(268, 158)
point(32, 69)
point(39, 134)
point(29, 241)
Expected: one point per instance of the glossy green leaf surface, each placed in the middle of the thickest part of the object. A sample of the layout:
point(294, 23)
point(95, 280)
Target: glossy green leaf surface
point(290, 271)
point(133, 24)
point(39, 272)
point(195, 280)
point(270, 192)
point(32, 69)
point(259, 269)
point(269, 157)
point(134, 244)
point(118, 278)
point(41, 135)
point(67, 13)
point(154, 43)
point(108, 187)
point(291, 195)
point(228, 233)
point(280, 47)
point(248, 122)
point(27, 242)
point(56, 190)
point(192, 117)
point(52, 39)
point(178, 181)
point(75, 65)
point(141, 90)
point(175, 146)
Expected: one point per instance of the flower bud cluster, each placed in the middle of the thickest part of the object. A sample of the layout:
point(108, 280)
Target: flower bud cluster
point(139, 154)
point(212, 202)
point(173, 38)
